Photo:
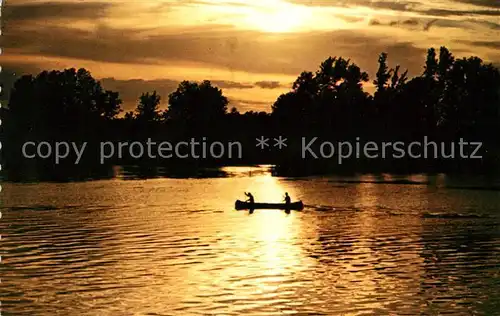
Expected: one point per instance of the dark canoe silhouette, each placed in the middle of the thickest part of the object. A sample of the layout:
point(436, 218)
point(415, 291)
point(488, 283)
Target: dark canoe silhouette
point(240, 205)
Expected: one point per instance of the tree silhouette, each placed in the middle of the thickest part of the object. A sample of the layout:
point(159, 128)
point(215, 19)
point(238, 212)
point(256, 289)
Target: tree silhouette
point(67, 105)
point(234, 112)
point(148, 108)
point(329, 99)
point(129, 116)
point(383, 74)
point(196, 107)
point(390, 101)
point(59, 103)
point(469, 103)
point(306, 83)
point(451, 99)
point(431, 64)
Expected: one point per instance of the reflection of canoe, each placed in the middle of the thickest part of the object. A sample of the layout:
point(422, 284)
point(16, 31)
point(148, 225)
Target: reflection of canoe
point(240, 205)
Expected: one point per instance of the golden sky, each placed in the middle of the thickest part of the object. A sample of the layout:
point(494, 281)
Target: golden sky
point(253, 50)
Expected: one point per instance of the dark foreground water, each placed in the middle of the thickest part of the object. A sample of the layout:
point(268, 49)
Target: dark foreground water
point(177, 247)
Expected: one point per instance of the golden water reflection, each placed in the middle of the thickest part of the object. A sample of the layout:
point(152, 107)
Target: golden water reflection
point(265, 256)
point(178, 247)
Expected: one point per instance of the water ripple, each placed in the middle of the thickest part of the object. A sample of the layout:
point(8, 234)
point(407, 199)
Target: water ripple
point(180, 249)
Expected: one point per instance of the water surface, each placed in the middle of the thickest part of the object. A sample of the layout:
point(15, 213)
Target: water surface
point(363, 245)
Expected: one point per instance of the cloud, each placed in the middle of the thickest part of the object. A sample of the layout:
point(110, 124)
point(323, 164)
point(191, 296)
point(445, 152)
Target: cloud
point(488, 44)
point(54, 10)
point(429, 24)
point(484, 3)
point(223, 84)
point(449, 13)
point(417, 6)
point(220, 46)
point(130, 90)
point(269, 84)
point(388, 5)
point(491, 25)
point(233, 50)
point(410, 22)
point(244, 105)
point(407, 22)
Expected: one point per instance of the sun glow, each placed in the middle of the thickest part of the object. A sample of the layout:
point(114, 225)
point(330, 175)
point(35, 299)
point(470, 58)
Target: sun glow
point(278, 17)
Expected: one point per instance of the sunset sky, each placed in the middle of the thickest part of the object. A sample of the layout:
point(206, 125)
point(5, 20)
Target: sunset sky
point(253, 50)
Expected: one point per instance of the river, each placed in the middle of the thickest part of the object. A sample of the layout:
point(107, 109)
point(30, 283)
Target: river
point(364, 245)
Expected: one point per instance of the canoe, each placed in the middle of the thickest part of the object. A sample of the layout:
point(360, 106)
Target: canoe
point(240, 205)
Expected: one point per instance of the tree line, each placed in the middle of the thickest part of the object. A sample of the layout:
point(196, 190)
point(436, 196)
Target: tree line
point(452, 98)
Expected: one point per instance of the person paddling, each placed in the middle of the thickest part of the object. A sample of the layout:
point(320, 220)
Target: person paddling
point(287, 198)
point(250, 197)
